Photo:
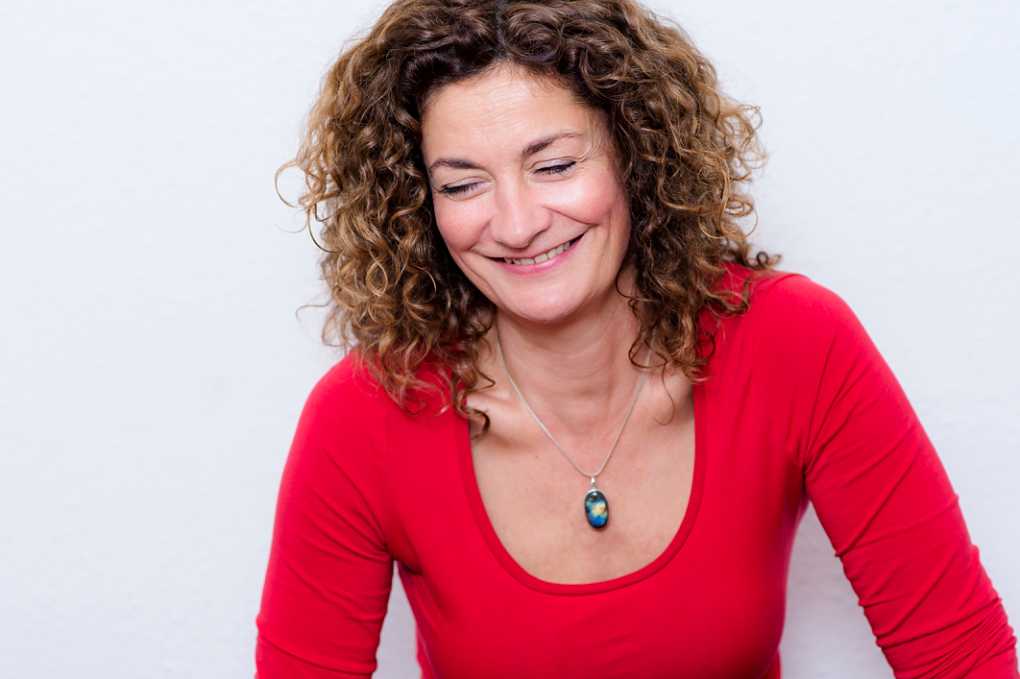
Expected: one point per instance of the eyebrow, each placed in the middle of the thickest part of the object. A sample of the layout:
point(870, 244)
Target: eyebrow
point(531, 149)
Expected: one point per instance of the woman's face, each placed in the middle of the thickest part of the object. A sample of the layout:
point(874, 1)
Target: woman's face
point(518, 168)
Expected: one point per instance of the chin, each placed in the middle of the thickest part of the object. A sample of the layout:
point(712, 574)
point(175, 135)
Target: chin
point(550, 317)
point(548, 314)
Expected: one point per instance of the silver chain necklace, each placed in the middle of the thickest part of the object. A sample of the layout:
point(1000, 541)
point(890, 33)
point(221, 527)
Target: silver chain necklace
point(596, 506)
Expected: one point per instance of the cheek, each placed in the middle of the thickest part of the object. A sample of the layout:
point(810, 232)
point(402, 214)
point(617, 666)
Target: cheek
point(591, 198)
point(460, 224)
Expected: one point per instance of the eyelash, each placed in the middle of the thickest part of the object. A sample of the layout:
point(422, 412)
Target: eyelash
point(552, 169)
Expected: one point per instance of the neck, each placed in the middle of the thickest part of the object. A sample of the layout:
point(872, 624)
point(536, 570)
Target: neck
point(577, 374)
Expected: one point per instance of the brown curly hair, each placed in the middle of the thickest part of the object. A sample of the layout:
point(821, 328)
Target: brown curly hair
point(685, 150)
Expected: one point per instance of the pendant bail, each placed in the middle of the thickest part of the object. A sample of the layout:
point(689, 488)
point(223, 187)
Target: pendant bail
point(593, 482)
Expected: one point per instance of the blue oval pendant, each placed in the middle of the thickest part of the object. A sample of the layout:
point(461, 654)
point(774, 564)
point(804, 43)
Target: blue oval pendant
point(596, 508)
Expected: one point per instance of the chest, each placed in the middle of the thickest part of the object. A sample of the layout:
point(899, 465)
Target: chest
point(534, 498)
point(711, 606)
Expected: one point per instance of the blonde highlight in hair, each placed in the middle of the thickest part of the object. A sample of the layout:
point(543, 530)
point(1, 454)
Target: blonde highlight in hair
point(685, 152)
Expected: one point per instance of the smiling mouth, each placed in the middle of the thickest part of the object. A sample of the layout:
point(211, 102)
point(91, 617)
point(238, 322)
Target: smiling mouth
point(544, 257)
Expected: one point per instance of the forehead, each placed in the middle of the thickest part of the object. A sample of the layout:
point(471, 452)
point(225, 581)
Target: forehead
point(505, 107)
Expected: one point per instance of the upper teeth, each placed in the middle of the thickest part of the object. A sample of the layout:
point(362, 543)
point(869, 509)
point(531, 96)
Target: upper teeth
point(538, 259)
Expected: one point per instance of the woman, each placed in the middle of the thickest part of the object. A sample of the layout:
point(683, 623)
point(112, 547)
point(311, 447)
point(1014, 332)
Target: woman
point(583, 421)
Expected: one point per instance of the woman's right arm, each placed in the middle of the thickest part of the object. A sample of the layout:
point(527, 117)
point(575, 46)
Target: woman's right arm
point(328, 579)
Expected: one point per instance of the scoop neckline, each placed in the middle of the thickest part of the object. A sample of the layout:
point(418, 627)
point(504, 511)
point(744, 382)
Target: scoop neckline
point(511, 565)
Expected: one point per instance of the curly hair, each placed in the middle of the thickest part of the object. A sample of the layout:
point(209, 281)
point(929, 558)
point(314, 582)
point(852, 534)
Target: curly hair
point(686, 150)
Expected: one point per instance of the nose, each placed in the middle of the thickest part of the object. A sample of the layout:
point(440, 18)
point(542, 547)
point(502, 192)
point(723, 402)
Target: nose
point(519, 217)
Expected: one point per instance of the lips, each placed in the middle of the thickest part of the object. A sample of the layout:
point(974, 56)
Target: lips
point(542, 268)
point(568, 243)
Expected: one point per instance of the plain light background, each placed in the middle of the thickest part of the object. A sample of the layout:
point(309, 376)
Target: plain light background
point(153, 367)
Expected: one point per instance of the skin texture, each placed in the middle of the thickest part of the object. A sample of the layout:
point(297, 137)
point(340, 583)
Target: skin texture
point(517, 207)
point(565, 332)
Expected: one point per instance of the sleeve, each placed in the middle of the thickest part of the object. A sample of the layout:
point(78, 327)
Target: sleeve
point(884, 499)
point(329, 574)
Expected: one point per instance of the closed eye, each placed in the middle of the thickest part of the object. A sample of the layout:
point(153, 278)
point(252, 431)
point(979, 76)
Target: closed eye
point(453, 190)
point(552, 169)
point(557, 169)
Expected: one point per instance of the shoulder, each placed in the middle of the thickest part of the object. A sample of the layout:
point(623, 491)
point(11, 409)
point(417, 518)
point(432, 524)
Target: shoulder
point(348, 397)
point(791, 321)
point(796, 293)
point(800, 327)
point(776, 289)
point(345, 405)
point(788, 302)
point(348, 383)
point(783, 301)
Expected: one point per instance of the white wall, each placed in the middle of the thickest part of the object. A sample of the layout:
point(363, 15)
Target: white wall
point(153, 368)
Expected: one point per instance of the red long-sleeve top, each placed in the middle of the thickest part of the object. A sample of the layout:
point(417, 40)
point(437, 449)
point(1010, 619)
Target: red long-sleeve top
point(799, 406)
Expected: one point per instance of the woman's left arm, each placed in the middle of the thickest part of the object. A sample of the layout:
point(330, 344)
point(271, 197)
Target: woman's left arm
point(883, 497)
